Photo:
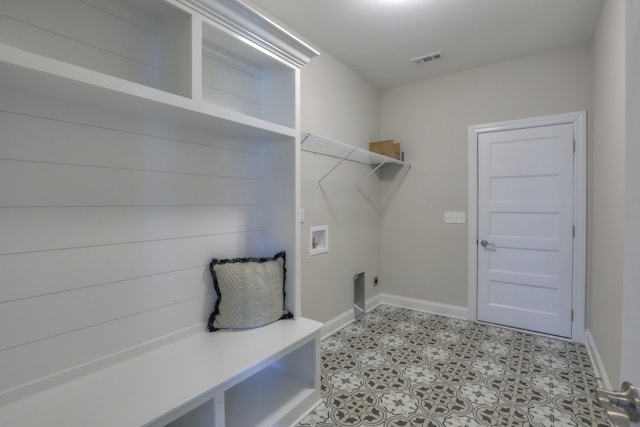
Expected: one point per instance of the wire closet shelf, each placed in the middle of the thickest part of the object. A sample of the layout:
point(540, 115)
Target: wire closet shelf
point(339, 150)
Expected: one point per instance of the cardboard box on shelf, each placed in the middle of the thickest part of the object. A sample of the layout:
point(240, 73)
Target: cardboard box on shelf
point(386, 148)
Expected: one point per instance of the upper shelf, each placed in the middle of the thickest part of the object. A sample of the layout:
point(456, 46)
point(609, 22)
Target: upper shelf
point(176, 60)
point(339, 150)
point(327, 147)
point(37, 73)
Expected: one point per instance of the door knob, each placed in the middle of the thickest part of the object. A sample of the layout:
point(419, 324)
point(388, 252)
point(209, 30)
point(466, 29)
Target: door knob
point(487, 244)
point(623, 406)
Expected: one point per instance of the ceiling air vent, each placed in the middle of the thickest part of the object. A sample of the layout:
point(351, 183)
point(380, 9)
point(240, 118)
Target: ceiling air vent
point(427, 58)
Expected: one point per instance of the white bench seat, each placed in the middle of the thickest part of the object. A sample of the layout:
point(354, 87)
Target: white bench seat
point(279, 361)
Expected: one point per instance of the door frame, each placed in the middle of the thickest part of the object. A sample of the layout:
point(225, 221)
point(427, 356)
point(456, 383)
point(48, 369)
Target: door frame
point(579, 121)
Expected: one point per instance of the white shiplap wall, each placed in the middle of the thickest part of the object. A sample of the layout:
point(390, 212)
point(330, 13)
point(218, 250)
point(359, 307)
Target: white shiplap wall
point(107, 225)
point(148, 45)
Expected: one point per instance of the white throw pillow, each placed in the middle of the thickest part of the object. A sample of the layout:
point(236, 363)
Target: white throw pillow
point(250, 292)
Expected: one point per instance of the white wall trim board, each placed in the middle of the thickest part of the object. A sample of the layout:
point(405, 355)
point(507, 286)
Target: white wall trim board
point(596, 361)
point(579, 121)
point(342, 320)
point(373, 302)
point(423, 305)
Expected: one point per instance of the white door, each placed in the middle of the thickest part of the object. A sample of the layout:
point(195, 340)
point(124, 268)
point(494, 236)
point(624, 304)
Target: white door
point(525, 228)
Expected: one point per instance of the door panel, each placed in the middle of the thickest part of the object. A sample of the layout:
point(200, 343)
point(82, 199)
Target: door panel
point(525, 213)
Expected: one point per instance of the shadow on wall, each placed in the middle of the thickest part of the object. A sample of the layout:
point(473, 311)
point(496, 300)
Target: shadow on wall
point(392, 177)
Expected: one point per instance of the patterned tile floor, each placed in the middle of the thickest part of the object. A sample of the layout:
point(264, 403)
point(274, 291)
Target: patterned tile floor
point(399, 367)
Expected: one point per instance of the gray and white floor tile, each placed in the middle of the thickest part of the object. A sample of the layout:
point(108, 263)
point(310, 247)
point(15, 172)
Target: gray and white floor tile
point(399, 367)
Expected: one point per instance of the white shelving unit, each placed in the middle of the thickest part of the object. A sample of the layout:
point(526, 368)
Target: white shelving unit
point(212, 65)
point(221, 79)
point(345, 152)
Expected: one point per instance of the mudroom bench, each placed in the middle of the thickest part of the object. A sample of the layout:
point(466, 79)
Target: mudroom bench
point(257, 377)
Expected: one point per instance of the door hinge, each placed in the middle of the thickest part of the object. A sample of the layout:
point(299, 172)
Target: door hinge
point(574, 145)
point(571, 315)
point(574, 231)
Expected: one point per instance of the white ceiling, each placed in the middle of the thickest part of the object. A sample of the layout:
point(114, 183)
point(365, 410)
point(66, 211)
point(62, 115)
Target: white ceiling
point(377, 38)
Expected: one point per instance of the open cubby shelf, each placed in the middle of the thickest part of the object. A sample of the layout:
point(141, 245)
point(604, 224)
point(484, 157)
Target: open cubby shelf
point(154, 58)
point(44, 75)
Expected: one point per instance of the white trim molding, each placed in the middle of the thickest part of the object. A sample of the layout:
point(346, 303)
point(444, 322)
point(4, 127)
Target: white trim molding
point(596, 361)
point(254, 27)
point(423, 305)
point(579, 122)
point(342, 320)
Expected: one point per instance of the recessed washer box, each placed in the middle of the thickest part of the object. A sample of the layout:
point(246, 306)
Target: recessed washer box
point(318, 239)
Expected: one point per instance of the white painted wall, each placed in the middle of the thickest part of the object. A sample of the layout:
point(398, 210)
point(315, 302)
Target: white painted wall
point(606, 243)
point(422, 257)
point(338, 104)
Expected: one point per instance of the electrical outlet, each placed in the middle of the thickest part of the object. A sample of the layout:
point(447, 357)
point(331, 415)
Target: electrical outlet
point(455, 217)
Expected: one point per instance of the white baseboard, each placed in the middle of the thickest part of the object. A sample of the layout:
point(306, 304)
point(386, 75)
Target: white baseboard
point(347, 317)
point(428, 306)
point(373, 302)
point(596, 361)
point(342, 320)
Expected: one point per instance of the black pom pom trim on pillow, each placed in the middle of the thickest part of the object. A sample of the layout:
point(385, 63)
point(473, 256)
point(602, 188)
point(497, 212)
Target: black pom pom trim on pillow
point(278, 313)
